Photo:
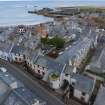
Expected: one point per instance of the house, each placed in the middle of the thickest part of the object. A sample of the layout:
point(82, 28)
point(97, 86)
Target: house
point(18, 53)
point(97, 64)
point(100, 99)
point(23, 96)
point(10, 80)
point(31, 56)
point(32, 41)
point(21, 29)
point(75, 54)
point(3, 89)
point(47, 68)
point(5, 50)
point(82, 87)
point(14, 92)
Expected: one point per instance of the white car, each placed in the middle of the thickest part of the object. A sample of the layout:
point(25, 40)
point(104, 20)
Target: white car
point(60, 53)
point(3, 69)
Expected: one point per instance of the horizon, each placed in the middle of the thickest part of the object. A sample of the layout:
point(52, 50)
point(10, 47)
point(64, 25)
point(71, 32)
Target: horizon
point(52, 0)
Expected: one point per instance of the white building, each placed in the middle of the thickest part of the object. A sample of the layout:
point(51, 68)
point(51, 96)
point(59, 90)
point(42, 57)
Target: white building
point(18, 54)
point(82, 87)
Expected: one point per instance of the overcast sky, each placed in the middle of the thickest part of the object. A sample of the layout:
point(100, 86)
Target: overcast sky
point(52, 0)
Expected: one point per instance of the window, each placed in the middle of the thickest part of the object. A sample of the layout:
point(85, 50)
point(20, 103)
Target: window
point(39, 71)
point(43, 73)
point(66, 74)
point(43, 68)
point(15, 58)
point(73, 83)
point(83, 99)
point(83, 93)
point(38, 65)
point(19, 59)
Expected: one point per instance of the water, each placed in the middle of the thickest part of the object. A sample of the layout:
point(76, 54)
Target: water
point(15, 12)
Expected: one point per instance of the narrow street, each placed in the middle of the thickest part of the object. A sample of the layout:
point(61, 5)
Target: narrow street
point(30, 83)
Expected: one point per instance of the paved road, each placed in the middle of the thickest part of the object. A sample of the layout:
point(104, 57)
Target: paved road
point(30, 83)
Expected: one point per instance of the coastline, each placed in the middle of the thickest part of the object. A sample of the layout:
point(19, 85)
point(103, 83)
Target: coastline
point(50, 18)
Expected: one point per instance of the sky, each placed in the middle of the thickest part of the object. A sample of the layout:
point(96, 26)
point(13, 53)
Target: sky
point(52, 0)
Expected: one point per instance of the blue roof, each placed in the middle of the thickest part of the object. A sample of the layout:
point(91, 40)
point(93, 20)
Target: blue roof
point(73, 52)
point(50, 64)
point(83, 83)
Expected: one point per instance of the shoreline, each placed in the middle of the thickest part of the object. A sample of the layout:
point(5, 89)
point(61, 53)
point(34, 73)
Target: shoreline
point(51, 17)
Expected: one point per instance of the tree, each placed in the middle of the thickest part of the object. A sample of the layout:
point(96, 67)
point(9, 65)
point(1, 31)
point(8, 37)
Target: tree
point(56, 41)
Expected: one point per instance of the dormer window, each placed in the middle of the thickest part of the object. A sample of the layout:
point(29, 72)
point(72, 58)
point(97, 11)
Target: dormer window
point(83, 93)
point(66, 74)
point(73, 83)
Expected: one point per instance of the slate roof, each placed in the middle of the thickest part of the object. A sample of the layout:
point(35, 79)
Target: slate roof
point(17, 49)
point(100, 99)
point(97, 64)
point(6, 47)
point(3, 90)
point(73, 52)
point(49, 63)
point(83, 83)
point(15, 96)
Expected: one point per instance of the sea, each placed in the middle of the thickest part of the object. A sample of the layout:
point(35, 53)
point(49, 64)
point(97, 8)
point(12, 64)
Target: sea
point(16, 12)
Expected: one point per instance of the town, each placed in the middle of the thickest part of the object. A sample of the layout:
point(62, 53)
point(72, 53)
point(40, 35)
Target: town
point(60, 62)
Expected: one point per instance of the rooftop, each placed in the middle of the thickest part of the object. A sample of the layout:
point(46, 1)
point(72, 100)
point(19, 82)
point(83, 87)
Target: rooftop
point(49, 63)
point(83, 83)
point(74, 51)
point(97, 63)
point(14, 92)
point(100, 99)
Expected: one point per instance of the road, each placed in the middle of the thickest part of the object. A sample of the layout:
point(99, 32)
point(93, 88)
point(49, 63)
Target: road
point(43, 93)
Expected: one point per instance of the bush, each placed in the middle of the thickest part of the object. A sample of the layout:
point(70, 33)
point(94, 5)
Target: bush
point(56, 41)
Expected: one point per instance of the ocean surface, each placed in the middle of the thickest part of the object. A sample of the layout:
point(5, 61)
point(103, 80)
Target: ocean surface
point(16, 12)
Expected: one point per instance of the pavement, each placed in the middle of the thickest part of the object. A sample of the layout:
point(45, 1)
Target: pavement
point(31, 84)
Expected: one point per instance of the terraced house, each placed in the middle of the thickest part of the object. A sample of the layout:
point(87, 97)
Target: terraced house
point(75, 55)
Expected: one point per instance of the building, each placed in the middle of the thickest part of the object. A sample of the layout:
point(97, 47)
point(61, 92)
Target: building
point(14, 92)
point(82, 87)
point(3, 90)
point(97, 64)
point(44, 67)
point(23, 96)
point(31, 56)
point(100, 100)
point(5, 50)
point(75, 55)
point(18, 54)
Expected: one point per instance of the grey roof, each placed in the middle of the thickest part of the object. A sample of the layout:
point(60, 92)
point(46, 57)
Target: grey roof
point(3, 90)
point(15, 96)
point(68, 70)
point(49, 63)
point(32, 54)
point(27, 95)
point(17, 49)
point(22, 96)
point(8, 79)
point(100, 99)
point(74, 51)
point(83, 83)
point(98, 61)
point(5, 46)
point(13, 99)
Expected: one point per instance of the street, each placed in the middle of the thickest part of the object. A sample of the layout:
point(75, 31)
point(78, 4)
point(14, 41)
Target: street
point(31, 84)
